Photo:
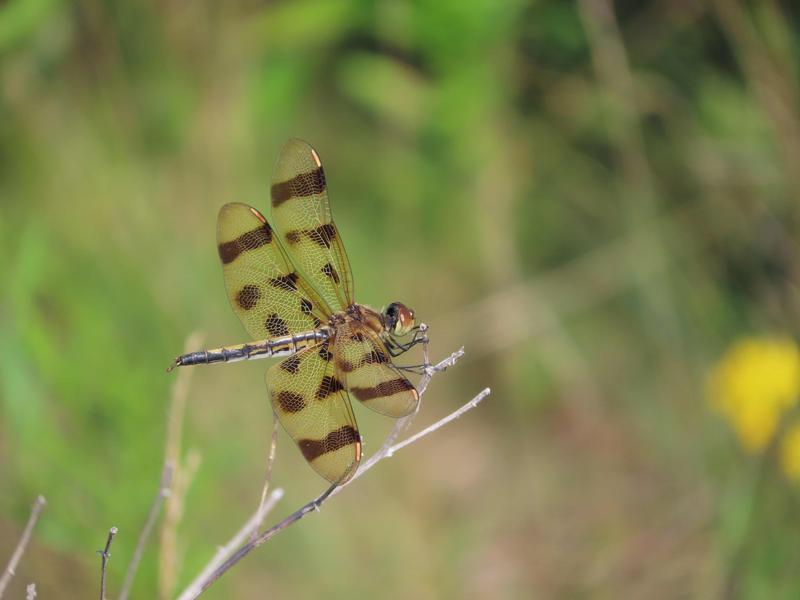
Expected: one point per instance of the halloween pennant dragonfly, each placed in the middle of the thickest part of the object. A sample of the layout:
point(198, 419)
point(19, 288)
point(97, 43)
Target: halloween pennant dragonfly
point(292, 288)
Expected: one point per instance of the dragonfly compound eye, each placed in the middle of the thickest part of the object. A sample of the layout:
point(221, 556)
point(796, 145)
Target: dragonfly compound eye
point(399, 318)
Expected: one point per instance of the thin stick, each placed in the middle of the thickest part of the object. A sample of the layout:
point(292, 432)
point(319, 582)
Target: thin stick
point(106, 555)
point(155, 508)
point(177, 405)
point(181, 476)
point(247, 530)
point(317, 502)
point(451, 417)
point(428, 372)
point(37, 507)
point(402, 424)
point(263, 537)
point(270, 461)
point(216, 568)
point(170, 564)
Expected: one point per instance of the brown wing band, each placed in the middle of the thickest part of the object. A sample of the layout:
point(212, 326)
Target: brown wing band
point(328, 386)
point(335, 440)
point(250, 240)
point(304, 184)
point(291, 402)
point(386, 388)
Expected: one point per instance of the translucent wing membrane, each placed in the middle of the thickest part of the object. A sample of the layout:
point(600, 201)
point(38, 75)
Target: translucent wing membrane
point(266, 292)
point(364, 367)
point(290, 280)
point(314, 409)
point(301, 212)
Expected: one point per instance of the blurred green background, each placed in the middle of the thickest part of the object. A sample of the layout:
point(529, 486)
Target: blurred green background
point(595, 199)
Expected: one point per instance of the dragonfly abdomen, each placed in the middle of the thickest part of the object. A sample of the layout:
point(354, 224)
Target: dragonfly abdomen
point(280, 346)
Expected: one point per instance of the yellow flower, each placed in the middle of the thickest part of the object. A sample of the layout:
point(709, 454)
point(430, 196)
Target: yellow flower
point(753, 385)
point(790, 451)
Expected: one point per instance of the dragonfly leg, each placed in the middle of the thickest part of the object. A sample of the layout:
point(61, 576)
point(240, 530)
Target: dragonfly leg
point(420, 337)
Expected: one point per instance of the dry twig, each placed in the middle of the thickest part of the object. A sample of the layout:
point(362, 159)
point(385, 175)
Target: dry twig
point(183, 471)
point(38, 505)
point(268, 476)
point(175, 478)
point(105, 555)
point(210, 575)
point(247, 530)
point(155, 508)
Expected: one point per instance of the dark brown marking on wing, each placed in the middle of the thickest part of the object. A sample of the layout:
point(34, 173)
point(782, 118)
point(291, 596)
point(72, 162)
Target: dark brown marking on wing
point(375, 357)
point(324, 354)
point(250, 240)
point(335, 440)
point(293, 237)
point(358, 337)
point(328, 386)
point(291, 365)
point(385, 388)
point(287, 282)
point(276, 326)
point(322, 235)
point(330, 271)
point(291, 402)
point(248, 296)
point(345, 366)
point(306, 306)
point(302, 184)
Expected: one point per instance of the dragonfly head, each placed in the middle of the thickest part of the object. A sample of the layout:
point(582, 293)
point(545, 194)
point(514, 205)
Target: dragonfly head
point(398, 318)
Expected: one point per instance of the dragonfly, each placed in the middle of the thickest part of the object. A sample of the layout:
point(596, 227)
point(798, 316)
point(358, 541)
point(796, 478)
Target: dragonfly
point(291, 286)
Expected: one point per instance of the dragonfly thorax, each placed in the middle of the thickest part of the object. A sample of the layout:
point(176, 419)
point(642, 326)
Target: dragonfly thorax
point(362, 314)
point(395, 320)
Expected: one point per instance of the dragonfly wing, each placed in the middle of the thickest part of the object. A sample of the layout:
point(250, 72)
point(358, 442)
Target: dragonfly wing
point(266, 291)
point(314, 409)
point(365, 368)
point(302, 213)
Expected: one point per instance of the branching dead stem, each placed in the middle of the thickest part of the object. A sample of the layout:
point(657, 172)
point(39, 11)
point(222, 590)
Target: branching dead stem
point(105, 556)
point(219, 565)
point(36, 509)
point(268, 476)
point(183, 472)
point(163, 492)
